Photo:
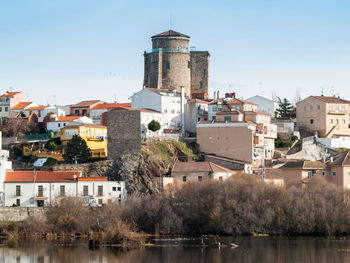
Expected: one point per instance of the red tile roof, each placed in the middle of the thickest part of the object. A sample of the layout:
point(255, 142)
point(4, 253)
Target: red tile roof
point(228, 112)
point(10, 94)
point(239, 101)
point(170, 33)
point(87, 103)
point(199, 167)
point(257, 112)
point(110, 106)
point(21, 105)
point(67, 118)
point(93, 179)
point(42, 176)
point(331, 99)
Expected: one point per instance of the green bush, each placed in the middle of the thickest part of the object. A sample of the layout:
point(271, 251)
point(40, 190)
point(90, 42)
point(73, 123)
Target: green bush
point(51, 161)
point(154, 126)
point(294, 138)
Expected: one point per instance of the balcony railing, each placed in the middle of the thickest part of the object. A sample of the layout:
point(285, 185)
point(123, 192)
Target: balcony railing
point(343, 112)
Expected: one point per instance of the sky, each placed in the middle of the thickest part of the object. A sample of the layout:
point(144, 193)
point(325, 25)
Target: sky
point(64, 51)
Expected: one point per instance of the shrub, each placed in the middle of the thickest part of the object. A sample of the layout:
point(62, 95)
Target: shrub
point(51, 161)
point(154, 126)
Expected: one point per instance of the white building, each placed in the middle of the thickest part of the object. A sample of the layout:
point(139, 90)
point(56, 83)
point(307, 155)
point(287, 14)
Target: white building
point(264, 104)
point(56, 123)
point(170, 103)
point(42, 188)
point(22, 106)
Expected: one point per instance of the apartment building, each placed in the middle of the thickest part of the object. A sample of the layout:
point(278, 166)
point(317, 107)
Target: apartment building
point(98, 110)
point(55, 123)
point(328, 117)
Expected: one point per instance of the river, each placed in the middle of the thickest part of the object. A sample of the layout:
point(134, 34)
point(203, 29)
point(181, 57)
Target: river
point(162, 250)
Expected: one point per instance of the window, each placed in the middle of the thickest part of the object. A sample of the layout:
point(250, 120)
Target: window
point(90, 132)
point(40, 190)
point(100, 190)
point(337, 121)
point(165, 110)
point(76, 112)
point(39, 113)
point(331, 121)
point(18, 190)
point(82, 131)
point(189, 64)
point(0, 109)
point(323, 173)
point(100, 201)
point(343, 121)
point(334, 173)
point(318, 107)
point(172, 111)
point(59, 125)
point(349, 173)
point(227, 118)
point(85, 190)
point(119, 188)
point(64, 124)
point(214, 118)
point(30, 112)
point(311, 107)
point(204, 73)
point(62, 190)
point(114, 188)
point(309, 174)
point(184, 178)
point(312, 121)
point(200, 178)
point(200, 84)
point(168, 65)
point(220, 178)
point(304, 108)
point(6, 109)
point(18, 202)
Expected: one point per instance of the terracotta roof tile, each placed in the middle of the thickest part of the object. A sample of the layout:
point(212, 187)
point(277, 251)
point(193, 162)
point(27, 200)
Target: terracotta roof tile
point(199, 167)
point(87, 103)
point(38, 108)
point(198, 101)
point(21, 105)
point(66, 118)
point(136, 109)
point(10, 94)
point(331, 99)
point(42, 176)
point(93, 179)
point(110, 106)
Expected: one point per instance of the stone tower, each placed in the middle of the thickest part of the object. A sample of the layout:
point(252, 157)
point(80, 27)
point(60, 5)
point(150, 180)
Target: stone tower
point(172, 65)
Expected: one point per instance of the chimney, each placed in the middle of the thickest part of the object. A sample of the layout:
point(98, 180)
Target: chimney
point(214, 95)
point(331, 159)
point(217, 95)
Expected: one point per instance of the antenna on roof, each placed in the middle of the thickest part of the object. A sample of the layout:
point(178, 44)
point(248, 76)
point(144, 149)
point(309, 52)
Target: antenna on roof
point(322, 91)
point(170, 21)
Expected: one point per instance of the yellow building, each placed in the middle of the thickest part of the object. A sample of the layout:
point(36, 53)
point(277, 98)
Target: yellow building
point(94, 135)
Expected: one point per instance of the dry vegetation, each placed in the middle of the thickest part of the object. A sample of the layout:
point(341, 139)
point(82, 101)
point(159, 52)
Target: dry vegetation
point(243, 205)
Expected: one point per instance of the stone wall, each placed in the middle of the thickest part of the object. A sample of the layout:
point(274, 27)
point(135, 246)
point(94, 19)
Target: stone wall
point(19, 213)
point(124, 132)
point(200, 71)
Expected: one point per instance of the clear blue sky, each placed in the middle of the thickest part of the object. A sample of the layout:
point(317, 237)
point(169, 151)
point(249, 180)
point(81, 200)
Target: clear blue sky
point(64, 51)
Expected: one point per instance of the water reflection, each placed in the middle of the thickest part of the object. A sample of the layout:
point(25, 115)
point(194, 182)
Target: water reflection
point(251, 249)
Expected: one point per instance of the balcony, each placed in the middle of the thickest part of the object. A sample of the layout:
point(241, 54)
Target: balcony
point(96, 138)
point(337, 112)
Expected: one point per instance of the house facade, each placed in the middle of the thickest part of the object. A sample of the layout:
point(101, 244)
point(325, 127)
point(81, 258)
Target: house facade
point(42, 188)
point(326, 116)
point(336, 170)
point(195, 110)
point(94, 135)
point(199, 171)
point(83, 108)
point(42, 111)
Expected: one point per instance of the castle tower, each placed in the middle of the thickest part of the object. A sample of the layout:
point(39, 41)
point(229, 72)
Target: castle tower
point(171, 65)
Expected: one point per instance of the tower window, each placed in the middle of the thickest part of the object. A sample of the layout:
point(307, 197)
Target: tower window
point(168, 65)
point(189, 64)
point(200, 84)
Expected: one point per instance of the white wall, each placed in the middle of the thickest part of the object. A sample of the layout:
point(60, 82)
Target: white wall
point(146, 99)
point(52, 191)
point(340, 142)
point(56, 126)
point(96, 115)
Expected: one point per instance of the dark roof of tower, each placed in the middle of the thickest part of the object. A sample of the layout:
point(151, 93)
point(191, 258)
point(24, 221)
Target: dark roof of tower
point(170, 33)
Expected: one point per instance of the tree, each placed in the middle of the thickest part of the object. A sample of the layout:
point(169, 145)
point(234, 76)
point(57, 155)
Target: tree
point(154, 126)
point(52, 146)
point(284, 108)
point(77, 150)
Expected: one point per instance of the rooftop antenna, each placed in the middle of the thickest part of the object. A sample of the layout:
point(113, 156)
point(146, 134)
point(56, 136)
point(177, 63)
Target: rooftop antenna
point(115, 98)
point(322, 91)
point(54, 100)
